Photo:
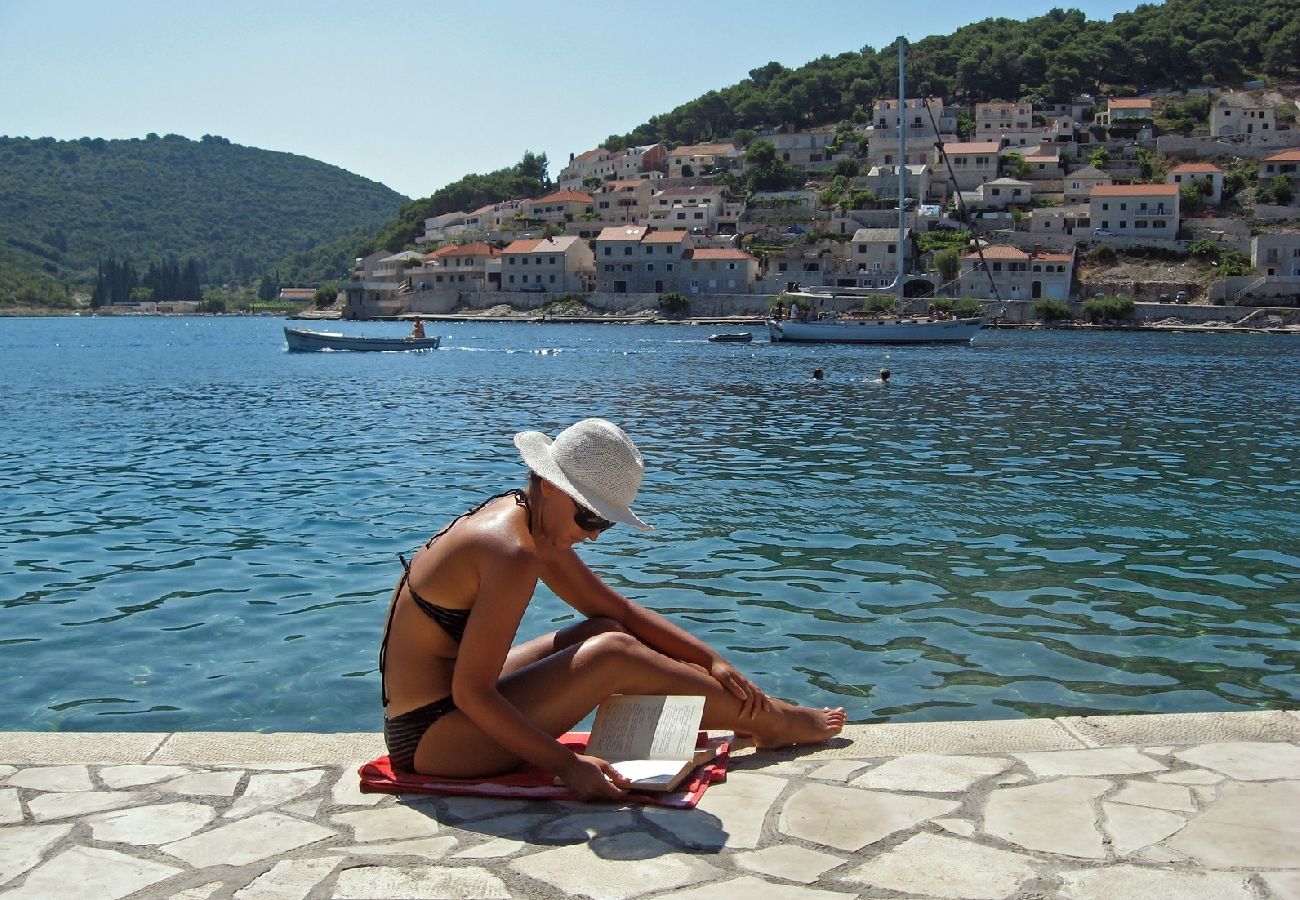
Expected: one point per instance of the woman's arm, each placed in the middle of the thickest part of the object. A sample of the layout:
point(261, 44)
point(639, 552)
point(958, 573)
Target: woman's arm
point(506, 584)
point(575, 583)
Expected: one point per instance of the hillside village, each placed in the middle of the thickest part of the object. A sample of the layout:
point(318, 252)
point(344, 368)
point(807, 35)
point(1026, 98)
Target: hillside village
point(1047, 191)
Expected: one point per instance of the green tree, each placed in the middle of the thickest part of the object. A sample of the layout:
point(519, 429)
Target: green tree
point(948, 263)
point(1099, 158)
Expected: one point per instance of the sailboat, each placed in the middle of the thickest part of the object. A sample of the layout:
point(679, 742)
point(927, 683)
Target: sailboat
point(886, 329)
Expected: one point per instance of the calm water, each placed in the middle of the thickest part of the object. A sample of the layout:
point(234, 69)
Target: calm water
point(198, 529)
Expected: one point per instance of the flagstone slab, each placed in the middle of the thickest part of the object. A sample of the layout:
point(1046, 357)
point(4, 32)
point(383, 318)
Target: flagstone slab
point(1249, 825)
point(939, 866)
point(48, 807)
point(1158, 796)
point(424, 848)
point(789, 861)
point(249, 748)
point(512, 827)
point(247, 841)
point(590, 824)
point(753, 889)
point(867, 742)
point(368, 882)
point(22, 848)
point(497, 848)
point(1136, 883)
point(266, 790)
point(932, 773)
point(1190, 776)
point(202, 892)
point(390, 823)
point(1109, 761)
point(838, 770)
point(959, 827)
point(1283, 885)
point(113, 875)
point(150, 825)
point(1246, 761)
point(741, 806)
point(1134, 827)
point(616, 867)
point(289, 879)
point(347, 791)
point(1055, 817)
point(459, 809)
point(304, 809)
point(62, 779)
point(119, 777)
point(11, 810)
point(60, 747)
point(689, 828)
point(6, 771)
point(1177, 728)
point(205, 784)
point(849, 819)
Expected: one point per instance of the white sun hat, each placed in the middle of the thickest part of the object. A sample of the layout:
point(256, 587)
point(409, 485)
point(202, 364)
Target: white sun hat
point(594, 462)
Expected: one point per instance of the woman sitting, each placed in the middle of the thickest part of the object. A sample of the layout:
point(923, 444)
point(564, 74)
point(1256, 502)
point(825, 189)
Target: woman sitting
point(462, 702)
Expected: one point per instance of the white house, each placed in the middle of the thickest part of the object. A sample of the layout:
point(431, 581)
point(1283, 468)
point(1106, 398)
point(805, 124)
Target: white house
point(561, 263)
point(1236, 113)
point(1019, 275)
point(1276, 254)
point(1135, 210)
point(1197, 173)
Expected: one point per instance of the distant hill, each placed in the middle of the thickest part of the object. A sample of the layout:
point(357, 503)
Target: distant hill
point(239, 211)
point(1176, 44)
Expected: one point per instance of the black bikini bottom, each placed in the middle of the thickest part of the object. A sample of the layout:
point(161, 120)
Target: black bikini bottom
point(402, 733)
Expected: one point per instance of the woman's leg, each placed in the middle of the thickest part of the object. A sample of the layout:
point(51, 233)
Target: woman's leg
point(556, 690)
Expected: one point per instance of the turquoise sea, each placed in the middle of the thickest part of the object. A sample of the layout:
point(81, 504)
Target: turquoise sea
point(199, 530)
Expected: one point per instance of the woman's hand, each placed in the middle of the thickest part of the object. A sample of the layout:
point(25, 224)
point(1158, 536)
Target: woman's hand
point(751, 696)
point(592, 778)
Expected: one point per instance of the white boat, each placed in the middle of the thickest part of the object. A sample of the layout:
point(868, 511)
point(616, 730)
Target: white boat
point(301, 339)
point(886, 330)
point(889, 329)
point(743, 337)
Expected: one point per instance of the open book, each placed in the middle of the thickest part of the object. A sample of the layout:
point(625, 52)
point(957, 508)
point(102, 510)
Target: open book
point(650, 738)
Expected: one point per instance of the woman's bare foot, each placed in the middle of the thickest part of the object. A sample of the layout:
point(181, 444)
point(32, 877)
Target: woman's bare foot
point(789, 725)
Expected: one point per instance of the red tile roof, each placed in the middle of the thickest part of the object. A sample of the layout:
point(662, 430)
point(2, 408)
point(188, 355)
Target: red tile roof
point(477, 248)
point(971, 147)
point(565, 197)
point(1134, 190)
point(1284, 156)
point(664, 237)
point(1196, 169)
point(1129, 103)
point(719, 254)
point(524, 245)
point(621, 233)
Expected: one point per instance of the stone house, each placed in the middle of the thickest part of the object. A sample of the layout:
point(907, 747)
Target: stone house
point(1019, 275)
point(1136, 210)
point(1287, 162)
point(467, 267)
point(688, 208)
point(1276, 254)
point(561, 263)
point(1118, 109)
point(595, 163)
point(1191, 173)
point(874, 257)
point(999, 193)
point(1080, 182)
point(622, 201)
point(694, 160)
point(1236, 113)
point(725, 271)
point(927, 121)
point(973, 163)
point(640, 162)
point(559, 206)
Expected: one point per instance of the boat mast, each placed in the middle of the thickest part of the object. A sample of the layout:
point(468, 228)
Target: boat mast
point(902, 172)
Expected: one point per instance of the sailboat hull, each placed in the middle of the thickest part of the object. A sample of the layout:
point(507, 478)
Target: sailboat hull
point(874, 331)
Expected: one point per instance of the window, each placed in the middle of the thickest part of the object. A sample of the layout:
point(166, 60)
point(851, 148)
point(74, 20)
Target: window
point(669, 267)
point(892, 248)
point(512, 279)
point(1105, 207)
point(608, 250)
point(627, 251)
point(649, 250)
point(552, 279)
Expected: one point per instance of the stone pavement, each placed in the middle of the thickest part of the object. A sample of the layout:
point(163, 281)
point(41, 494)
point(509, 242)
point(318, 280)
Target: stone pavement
point(1203, 805)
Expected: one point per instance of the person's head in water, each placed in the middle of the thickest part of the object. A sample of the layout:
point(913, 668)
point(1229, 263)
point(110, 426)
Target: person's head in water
point(884, 375)
point(817, 374)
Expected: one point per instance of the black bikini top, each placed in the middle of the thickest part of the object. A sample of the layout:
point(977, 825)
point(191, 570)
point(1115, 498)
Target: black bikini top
point(452, 621)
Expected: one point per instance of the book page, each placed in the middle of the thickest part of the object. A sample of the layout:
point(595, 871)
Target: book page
point(649, 771)
point(636, 726)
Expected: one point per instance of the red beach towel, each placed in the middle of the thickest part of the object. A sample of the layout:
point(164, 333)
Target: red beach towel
point(532, 783)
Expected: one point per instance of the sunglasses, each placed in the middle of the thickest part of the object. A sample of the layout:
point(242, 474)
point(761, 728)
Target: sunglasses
point(588, 520)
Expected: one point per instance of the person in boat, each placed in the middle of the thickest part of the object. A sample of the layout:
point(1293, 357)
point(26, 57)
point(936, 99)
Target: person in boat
point(460, 701)
point(417, 329)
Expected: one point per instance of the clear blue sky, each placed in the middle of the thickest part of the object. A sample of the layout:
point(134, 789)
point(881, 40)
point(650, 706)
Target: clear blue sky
point(415, 95)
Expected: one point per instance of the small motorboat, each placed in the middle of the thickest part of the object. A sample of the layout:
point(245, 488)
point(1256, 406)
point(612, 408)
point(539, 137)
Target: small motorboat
point(304, 339)
point(742, 337)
